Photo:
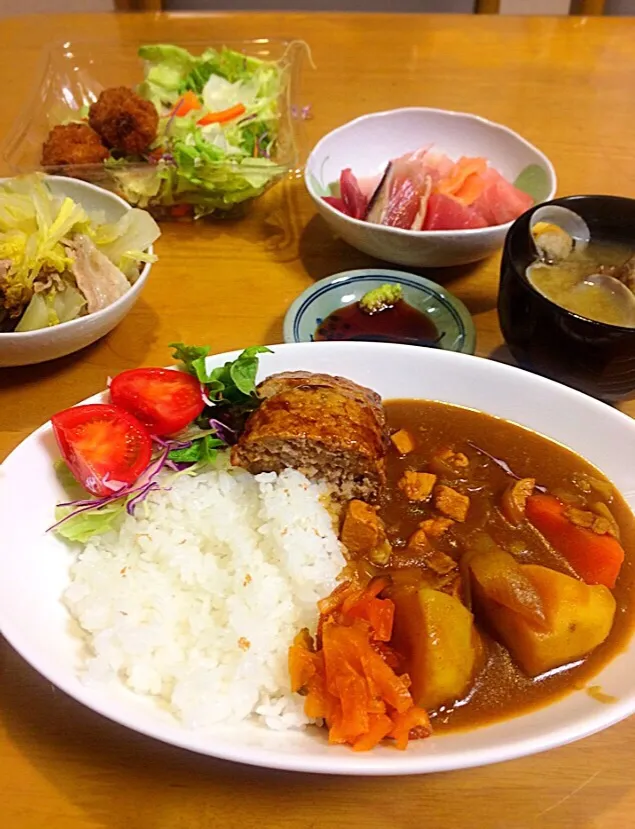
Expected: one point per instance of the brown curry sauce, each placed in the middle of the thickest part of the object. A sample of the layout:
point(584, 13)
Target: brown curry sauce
point(501, 689)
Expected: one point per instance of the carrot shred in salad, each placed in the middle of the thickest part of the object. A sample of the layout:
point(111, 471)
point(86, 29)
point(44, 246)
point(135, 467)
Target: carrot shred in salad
point(348, 675)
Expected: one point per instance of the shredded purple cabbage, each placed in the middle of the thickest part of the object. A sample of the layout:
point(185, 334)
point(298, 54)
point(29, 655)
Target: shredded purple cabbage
point(208, 401)
point(145, 491)
point(141, 488)
point(223, 432)
point(260, 144)
point(171, 443)
point(246, 119)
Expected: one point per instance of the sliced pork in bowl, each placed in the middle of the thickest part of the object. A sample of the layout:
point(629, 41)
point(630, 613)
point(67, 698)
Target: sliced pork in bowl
point(73, 260)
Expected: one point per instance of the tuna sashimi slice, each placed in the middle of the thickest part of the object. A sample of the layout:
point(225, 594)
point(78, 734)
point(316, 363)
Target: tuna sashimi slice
point(338, 204)
point(500, 202)
point(350, 193)
point(446, 213)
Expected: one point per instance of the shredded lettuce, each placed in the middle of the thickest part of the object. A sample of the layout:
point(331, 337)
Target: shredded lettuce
point(84, 525)
point(166, 68)
point(214, 166)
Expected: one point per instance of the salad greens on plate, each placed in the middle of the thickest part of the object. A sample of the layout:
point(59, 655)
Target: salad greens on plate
point(159, 423)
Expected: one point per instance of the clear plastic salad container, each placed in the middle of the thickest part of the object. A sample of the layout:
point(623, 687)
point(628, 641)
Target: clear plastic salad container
point(196, 173)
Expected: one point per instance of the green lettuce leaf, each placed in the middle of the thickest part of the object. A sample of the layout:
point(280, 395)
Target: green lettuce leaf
point(92, 522)
point(193, 359)
point(203, 451)
point(167, 66)
point(234, 382)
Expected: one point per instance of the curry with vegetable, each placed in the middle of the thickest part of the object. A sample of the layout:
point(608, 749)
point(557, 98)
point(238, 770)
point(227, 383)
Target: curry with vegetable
point(490, 576)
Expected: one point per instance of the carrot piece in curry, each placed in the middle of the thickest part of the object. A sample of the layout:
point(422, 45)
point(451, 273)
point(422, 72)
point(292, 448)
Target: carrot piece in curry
point(597, 559)
point(347, 680)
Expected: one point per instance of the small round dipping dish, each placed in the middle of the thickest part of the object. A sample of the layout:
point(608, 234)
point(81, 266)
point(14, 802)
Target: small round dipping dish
point(448, 314)
point(594, 357)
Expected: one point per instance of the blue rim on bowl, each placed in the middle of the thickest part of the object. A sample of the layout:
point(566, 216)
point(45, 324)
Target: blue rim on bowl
point(448, 313)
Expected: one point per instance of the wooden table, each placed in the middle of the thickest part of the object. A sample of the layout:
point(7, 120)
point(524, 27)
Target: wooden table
point(564, 84)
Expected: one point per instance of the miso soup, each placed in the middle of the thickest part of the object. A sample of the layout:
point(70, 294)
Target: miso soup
point(596, 282)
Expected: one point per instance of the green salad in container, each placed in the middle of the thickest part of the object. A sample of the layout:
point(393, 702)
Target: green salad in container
point(200, 134)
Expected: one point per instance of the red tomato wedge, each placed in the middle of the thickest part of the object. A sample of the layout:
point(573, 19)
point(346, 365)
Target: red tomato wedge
point(101, 444)
point(165, 401)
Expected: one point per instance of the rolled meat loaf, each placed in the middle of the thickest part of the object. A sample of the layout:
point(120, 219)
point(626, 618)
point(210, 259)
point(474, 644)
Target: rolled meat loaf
point(329, 428)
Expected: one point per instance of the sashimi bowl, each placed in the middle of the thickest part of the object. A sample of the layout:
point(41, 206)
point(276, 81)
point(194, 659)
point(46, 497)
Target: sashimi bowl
point(69, 318)
point(426, 187)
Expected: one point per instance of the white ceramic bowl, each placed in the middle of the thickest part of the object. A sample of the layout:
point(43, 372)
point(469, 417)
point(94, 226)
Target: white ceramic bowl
point(28, 347)
point(368, 143)
point(34, 567)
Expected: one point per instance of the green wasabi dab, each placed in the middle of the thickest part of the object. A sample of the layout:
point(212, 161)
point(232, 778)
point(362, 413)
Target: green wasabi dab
point(380, 298)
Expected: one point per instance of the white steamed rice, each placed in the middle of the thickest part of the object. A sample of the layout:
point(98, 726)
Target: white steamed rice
point(196, 599)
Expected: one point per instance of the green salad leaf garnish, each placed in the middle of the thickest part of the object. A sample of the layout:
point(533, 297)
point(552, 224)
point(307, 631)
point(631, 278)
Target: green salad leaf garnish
point(232, 383)
point(202, 451)
point(84, 525)
point(231, 395)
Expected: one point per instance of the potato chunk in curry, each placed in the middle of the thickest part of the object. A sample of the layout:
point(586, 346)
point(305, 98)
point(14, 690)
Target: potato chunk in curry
point(578, 619)
point(436, 633)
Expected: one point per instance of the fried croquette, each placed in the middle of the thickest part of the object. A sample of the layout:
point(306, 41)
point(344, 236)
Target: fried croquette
point(73, 144)
point(124, 121)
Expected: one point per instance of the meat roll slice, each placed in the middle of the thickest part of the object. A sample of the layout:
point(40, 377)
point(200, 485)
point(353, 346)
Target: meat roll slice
point(291, 379)
point(328, 428)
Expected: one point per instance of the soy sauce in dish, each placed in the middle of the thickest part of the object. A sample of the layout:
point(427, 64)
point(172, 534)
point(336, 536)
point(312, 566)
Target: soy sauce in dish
point(399, 321)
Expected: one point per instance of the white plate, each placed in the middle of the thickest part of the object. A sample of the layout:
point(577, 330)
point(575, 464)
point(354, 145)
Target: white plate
point(34, 567)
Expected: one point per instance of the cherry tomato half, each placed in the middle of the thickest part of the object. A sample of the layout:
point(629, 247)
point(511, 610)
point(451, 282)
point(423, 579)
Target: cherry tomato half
point(100, 442)
point(165, 401)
